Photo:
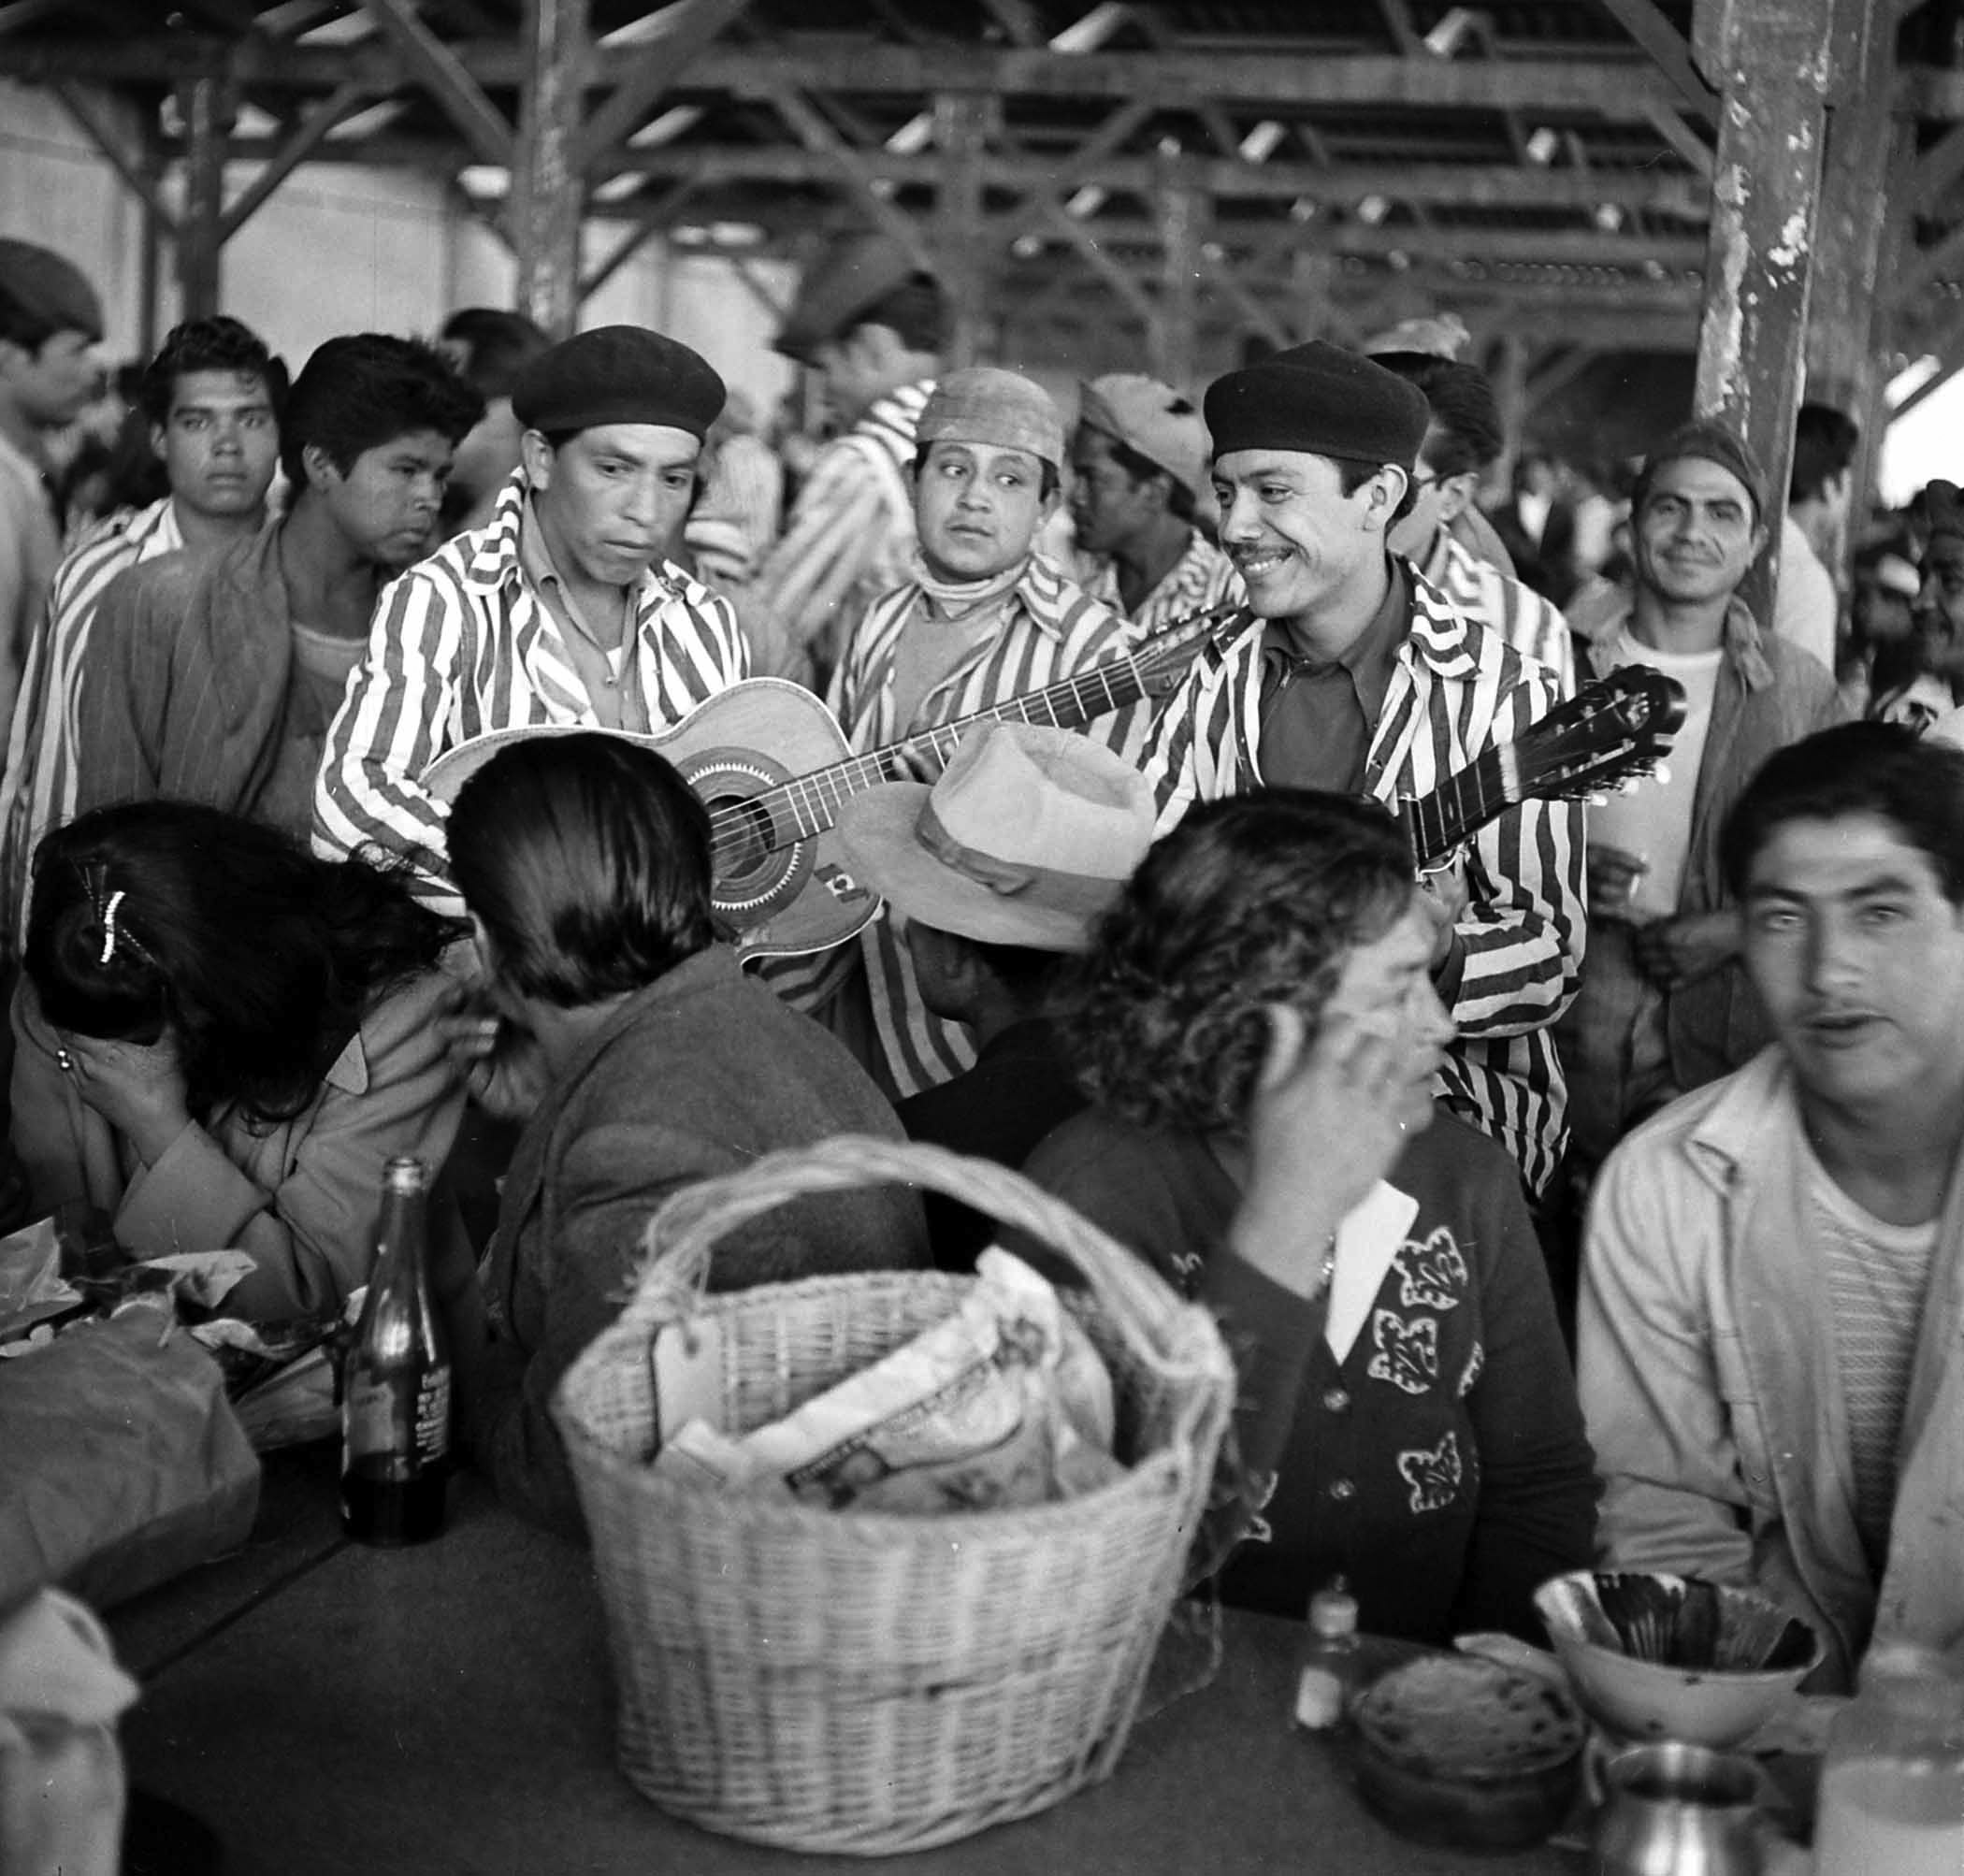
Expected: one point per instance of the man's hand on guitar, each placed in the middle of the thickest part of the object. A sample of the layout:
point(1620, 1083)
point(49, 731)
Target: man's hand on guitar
point(917, 762)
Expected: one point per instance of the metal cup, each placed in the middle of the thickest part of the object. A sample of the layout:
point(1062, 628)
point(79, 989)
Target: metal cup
point(1674, 1810)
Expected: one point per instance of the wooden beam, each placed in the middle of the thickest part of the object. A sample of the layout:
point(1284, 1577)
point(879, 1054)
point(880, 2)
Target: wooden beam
point(1668, 50)
point(441, 70)
point(305, 139)
point(1555, 375)
point(1570, 247)
point(1118, 278)
point(962, 123)
point(104, 132)
point(1752, 342)
point(651, 219)
point(1671, 126)
point(658, 67)
point(548, 189)
point(817, 134)
point(208, 103)
point(1938, 168)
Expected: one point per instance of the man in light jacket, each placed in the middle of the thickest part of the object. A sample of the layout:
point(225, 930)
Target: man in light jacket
point(1771, 1352)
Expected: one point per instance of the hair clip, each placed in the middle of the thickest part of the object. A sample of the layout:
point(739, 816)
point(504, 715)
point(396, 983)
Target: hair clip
point(108, 925)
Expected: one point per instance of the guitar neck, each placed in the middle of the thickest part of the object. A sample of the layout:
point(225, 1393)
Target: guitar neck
point(1459, 807)
point(812, 803)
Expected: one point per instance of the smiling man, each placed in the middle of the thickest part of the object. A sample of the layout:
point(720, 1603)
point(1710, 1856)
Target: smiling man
point(1663, 1008)
point(213, 679)
point(213, 395)
point(1774, 1275)
point(1353, 672)
point(566, 610)
point(983, 620)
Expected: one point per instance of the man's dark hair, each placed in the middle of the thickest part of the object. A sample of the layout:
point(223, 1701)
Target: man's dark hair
point(1352, 476)
point(214, 344)
point(1825, 444)
point(366, 389)
point(1466, 428)
point(587, 858)
point(497, 346)
point(1880, 769)
point(916, 312)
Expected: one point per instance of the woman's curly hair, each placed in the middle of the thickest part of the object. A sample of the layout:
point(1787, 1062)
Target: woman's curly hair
point(1248, 901)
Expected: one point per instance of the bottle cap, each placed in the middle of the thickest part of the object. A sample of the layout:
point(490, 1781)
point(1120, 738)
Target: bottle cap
point(1333, 1613)
point(405, 1174)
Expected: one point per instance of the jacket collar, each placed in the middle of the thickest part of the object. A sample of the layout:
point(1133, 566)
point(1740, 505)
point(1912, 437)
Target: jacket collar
point(493, 557)
point(1744, 643)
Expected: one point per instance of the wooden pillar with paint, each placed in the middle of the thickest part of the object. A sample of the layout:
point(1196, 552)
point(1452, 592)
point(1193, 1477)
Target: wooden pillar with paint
point(963, 124)
point(1184, 214)
point(549, 190)
point(1771, 60)
point(209, 103)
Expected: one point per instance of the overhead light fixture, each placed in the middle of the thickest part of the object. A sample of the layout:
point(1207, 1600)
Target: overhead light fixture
point(1169, 146)
point(1608, 217)
point(1542, 146)
point(1085, 201)
point(1303, 209)
point(1450, 34)
point(1259, 145)
point(665, 129)
point(1027, 246)
point(484, 180)
point(1088, 34)
point(617, 188)
point(1373, 209)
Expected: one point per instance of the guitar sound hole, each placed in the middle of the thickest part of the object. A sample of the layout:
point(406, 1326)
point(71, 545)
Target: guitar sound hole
point(742, 841)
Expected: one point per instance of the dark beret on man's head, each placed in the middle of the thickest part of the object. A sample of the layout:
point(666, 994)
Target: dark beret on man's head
point(617, 374)
point(1322, 401)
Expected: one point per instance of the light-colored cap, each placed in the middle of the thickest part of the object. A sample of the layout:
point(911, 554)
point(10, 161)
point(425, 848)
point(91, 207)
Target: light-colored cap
point(1027, 838)
point(986, 404)
point(1153, 418)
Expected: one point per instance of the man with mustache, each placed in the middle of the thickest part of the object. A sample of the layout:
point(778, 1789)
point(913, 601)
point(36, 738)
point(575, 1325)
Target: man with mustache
point(567, 610)
point(213, 679)
point(1770, 1361)
point(1663, 1007)
point(1353, 673)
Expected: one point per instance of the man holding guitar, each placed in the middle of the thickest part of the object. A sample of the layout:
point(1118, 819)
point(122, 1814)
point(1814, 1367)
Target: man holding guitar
point(565, 612)
point(982, 621)
point(1353, 673)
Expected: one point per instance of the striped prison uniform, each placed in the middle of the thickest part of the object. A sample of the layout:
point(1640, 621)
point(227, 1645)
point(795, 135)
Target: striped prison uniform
point(850, 539)
point(1201, 579)
point(1533, 624)
point(1050, 632)
point(1455, 690)
point(463, 644)
point(38, 791)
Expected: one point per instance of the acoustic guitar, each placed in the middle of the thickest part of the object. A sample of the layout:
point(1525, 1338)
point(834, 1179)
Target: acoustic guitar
point(774, 767)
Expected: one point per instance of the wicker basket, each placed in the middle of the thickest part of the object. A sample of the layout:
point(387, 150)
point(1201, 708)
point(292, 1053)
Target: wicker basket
point(870, 1682)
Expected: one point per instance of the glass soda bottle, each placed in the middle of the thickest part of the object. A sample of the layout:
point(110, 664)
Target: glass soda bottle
point(1326, 1670)
point(395, 1391)
point(1892, 1786)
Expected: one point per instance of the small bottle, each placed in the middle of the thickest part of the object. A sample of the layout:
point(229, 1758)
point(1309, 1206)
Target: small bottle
point(1327, 1668)
point(395, 1393)
point(1892, 1785)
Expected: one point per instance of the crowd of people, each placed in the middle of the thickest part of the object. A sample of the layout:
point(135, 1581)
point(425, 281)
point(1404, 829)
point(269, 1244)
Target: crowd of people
point(1592, 1194)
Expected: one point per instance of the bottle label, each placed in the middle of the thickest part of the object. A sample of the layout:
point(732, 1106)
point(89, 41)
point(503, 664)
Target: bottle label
point(433, 1415)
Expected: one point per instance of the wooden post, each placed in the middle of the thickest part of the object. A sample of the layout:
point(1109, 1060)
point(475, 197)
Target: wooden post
point(1510, 392)
point(150, 264)
point(963, 125)
point(208, 103)
point(1774, 59)
point(548, 189)
point(1175, 334)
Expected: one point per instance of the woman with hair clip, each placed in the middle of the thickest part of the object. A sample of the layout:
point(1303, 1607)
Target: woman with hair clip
point(221, 1040)
point(1257, 1030)
point(641, 1059)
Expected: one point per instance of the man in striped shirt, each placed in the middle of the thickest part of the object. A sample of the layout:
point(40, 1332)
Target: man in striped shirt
point(1769, 1362)
point(982, 621)
point(1137, 463)
point(872, 325)
point(1353, 672)
point(212, 395)
point(566, 610)
point(1462, 441)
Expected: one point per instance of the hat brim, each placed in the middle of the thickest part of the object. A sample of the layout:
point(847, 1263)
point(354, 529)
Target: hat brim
point(445, 777)
point(876, 830)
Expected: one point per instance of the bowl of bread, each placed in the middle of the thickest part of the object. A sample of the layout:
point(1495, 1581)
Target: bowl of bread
point(1455, 1748)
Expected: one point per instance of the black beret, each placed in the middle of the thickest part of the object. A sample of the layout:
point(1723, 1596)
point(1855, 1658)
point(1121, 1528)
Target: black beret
point(617, 374)
point(1321, 401)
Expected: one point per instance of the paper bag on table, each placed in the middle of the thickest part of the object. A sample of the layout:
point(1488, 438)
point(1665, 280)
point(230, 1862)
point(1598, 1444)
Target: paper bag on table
point(122, 1463)
point(61, 1785)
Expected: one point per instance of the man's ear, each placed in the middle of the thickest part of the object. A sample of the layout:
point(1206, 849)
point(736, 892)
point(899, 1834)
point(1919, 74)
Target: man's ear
point(1384, 492)
point(536, 453)
point(1456, 493)
point(319, 466)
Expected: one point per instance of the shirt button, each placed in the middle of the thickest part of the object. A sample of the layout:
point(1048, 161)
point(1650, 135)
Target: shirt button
point(1343, 1491)
point(1336, 1400)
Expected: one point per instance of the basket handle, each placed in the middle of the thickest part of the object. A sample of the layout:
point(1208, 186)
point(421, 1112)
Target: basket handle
point(679, 1237)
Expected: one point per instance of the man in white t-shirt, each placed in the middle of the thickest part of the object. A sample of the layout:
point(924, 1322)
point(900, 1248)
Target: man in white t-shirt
point(1662, 1006)
point(1769, 1362)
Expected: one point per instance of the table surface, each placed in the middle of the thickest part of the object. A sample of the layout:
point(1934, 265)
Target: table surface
point(446, 1709)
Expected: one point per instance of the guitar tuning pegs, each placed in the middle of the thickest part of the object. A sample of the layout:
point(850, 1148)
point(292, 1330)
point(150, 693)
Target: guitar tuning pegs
point(1598, 798)
point(1661, 772)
